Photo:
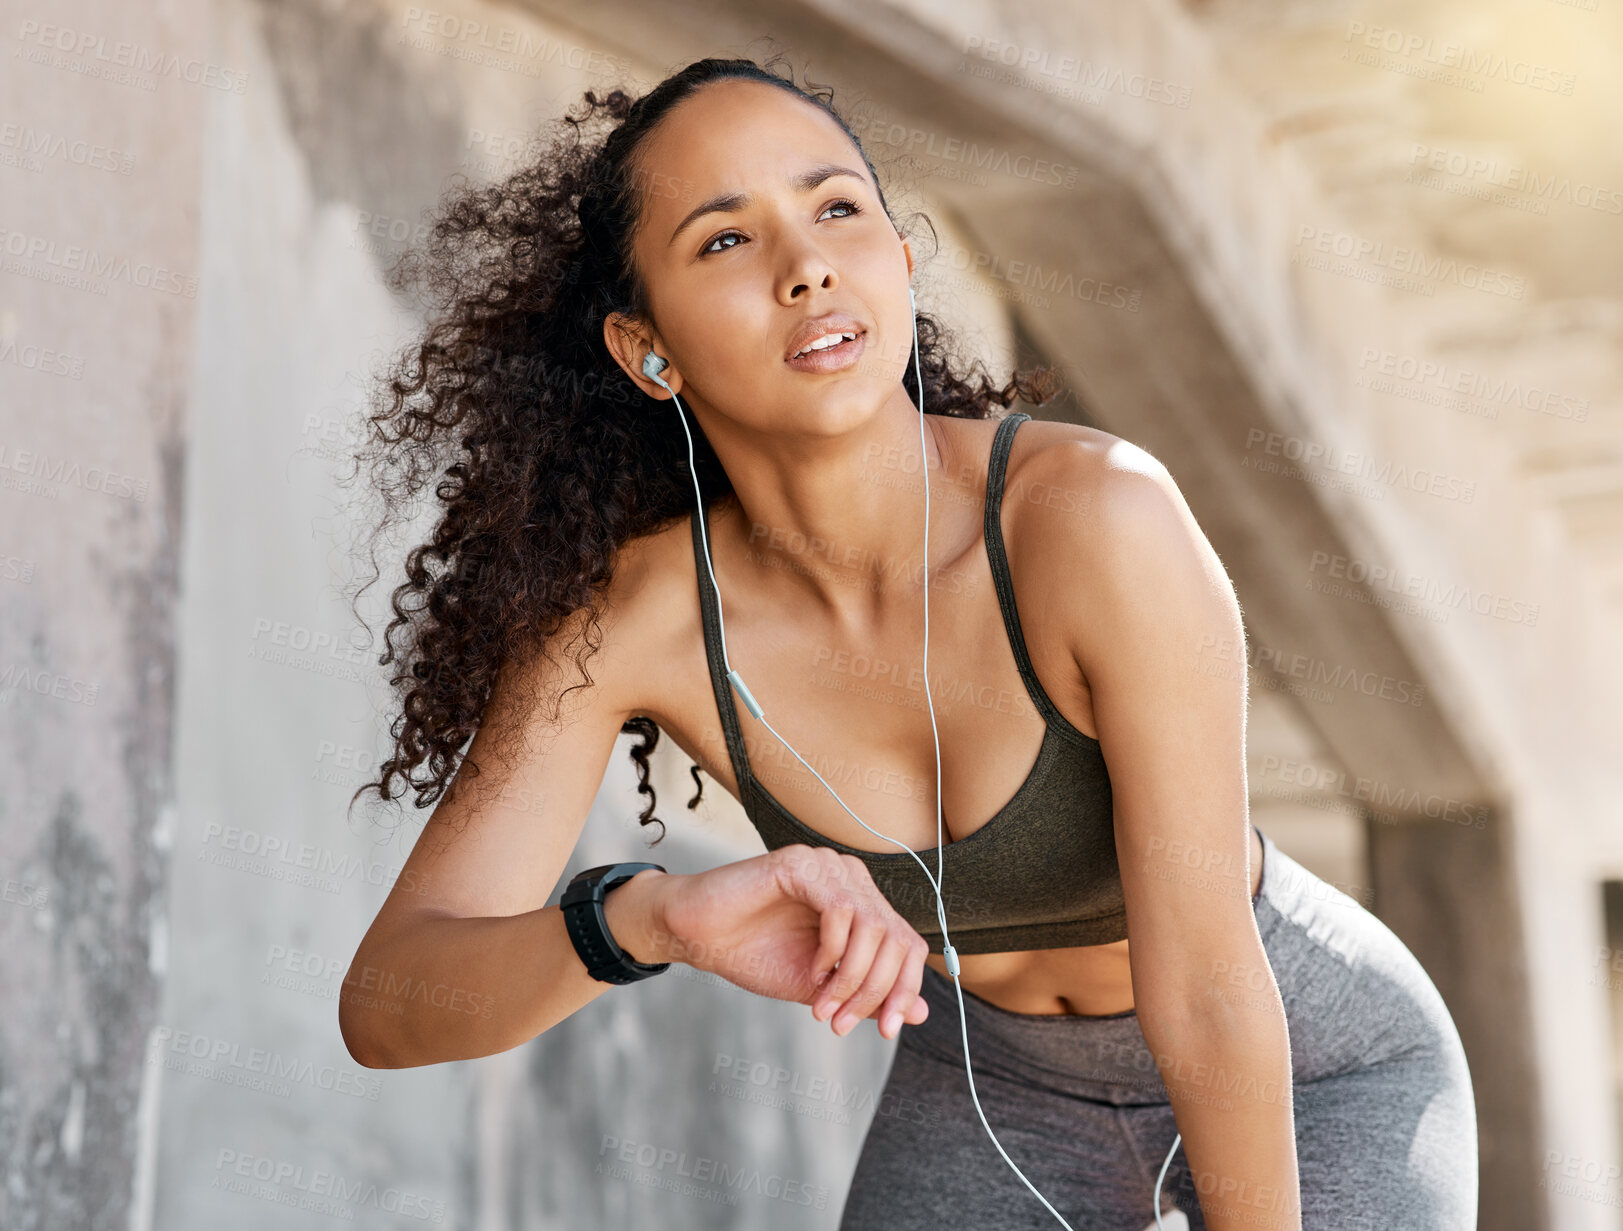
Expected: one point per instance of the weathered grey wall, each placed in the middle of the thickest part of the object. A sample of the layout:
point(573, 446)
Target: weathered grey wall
point(181, 893)
point(99, 179)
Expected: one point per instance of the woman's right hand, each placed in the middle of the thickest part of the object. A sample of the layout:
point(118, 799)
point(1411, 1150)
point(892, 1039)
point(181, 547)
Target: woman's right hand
point(805, 924)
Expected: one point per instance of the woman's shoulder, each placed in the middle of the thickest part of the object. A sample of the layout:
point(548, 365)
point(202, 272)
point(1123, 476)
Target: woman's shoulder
point(1094, 512)
point(646, 615)
point(655, 576)
point(1071, 468)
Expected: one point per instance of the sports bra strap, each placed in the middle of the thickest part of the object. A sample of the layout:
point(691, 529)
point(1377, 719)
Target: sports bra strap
point(714, 655)
point(1002, 444)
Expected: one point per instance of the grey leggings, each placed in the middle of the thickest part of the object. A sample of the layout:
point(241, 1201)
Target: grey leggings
point(1385, 1116)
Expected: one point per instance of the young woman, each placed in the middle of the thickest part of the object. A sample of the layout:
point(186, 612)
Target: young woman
point(1135, 960)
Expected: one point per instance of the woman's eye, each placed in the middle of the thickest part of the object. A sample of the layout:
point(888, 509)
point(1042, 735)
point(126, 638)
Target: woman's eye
point(710, 247)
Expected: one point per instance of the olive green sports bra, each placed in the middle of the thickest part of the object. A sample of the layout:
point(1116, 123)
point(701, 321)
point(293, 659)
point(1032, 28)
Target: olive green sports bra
point(1042, 873)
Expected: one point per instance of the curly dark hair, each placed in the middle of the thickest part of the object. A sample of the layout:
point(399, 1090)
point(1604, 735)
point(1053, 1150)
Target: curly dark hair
point(544, 457)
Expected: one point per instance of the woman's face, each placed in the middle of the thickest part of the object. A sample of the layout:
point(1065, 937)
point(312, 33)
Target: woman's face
point(791, 229)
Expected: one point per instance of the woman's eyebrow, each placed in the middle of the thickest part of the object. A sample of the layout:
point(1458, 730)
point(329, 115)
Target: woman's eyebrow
point(732, 202)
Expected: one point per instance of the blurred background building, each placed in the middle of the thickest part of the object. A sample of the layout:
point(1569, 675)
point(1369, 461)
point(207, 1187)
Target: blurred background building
point(1351, 270)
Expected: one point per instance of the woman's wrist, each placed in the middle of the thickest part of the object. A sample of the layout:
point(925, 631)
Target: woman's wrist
point(635, 912)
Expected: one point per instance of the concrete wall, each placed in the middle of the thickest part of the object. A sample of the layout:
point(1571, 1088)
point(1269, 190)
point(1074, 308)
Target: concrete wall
point(184, 717)
point(100, 177)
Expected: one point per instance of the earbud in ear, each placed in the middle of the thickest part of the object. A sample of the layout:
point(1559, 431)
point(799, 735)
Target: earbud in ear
point(652, 366)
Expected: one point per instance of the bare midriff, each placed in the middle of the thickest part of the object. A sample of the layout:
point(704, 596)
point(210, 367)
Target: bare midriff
point(1088, 981)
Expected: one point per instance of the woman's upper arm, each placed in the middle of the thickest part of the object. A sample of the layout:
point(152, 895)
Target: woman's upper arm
point(1156, 629)
point(498, 841)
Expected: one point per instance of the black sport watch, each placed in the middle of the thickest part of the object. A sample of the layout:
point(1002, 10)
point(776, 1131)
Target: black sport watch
point(582, 905)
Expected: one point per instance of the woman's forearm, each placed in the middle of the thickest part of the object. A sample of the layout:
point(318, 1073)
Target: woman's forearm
point(448, 988)
point(1230, 1085)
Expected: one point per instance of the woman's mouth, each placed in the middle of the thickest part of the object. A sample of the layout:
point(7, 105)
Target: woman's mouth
point(828, 355)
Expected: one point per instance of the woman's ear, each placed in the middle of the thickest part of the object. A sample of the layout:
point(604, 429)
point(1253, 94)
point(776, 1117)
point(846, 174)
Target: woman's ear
point(629, 345)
